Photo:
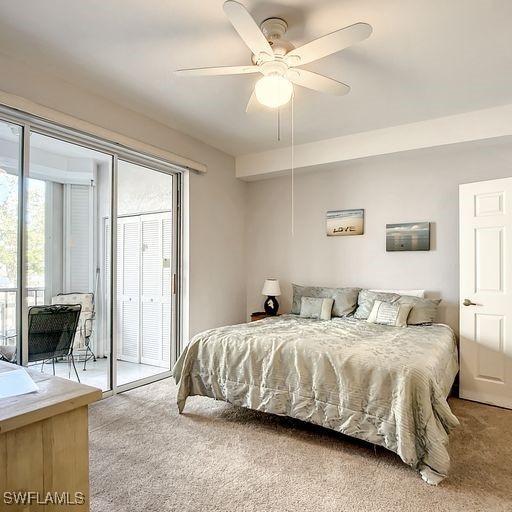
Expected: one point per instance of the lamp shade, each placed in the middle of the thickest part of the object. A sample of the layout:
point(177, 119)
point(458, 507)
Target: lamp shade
point(273, 90)
point(271, 288)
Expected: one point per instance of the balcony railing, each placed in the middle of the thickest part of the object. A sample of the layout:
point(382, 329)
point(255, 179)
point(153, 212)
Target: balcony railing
point(8, 327)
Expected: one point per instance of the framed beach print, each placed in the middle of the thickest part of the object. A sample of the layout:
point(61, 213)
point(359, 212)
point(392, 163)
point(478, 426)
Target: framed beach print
point(345, 222)
point(410, 236)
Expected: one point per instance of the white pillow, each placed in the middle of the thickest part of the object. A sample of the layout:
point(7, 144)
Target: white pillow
point(409, 293)
point(389, 314)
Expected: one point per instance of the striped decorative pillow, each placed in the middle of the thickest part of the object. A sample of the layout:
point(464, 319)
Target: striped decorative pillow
point(389, 314)
point(366, 300)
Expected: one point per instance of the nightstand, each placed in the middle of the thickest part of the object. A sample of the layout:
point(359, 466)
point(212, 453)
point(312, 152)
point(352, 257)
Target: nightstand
point(260, 315)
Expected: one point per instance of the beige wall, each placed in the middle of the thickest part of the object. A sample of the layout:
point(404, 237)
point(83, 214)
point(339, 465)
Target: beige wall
point(216, 199)
point(407, 187)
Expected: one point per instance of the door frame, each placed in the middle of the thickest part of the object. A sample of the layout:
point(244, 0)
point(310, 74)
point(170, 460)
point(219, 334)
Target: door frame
point(30, 123)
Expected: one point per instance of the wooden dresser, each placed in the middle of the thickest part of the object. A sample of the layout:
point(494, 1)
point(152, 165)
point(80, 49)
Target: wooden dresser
point(44, 453)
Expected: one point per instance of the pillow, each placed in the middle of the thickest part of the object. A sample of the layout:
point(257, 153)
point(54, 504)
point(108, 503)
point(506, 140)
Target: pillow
point(424, 311)
point(386, 313)
point(409, 293)
point(367, 298)
point(314, 307)
point(345, 299)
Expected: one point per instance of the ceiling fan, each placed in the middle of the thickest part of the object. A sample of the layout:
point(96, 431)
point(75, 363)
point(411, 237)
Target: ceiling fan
point(278, 60)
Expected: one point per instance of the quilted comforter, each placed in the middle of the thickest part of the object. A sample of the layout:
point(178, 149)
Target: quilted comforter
point(385, 385)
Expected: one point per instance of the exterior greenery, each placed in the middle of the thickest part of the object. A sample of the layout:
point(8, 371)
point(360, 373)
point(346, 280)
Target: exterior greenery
point(35, 229)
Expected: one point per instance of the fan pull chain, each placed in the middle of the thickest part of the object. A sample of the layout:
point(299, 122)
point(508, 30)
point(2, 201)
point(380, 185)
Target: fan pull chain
point(279, 124)
point(293, 170)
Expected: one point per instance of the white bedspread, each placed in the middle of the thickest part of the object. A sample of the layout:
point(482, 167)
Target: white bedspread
point(385, 385)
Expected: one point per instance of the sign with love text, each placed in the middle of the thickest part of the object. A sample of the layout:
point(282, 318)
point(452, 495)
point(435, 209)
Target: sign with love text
point(345, 222)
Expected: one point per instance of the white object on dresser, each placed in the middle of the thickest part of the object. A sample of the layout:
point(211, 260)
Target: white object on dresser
point(486, 292)
point(16, 381)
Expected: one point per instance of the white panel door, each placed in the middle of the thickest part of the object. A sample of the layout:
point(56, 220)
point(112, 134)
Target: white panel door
point(128, 288)
point(486, 292)
point(156, 289)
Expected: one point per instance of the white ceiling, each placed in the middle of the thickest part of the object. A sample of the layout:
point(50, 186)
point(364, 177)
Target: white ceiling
point(425, 59)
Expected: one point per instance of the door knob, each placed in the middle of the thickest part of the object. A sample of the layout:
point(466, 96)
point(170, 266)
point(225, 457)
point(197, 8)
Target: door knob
point(467, 302)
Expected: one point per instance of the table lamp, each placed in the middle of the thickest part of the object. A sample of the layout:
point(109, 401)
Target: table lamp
point(272, 290)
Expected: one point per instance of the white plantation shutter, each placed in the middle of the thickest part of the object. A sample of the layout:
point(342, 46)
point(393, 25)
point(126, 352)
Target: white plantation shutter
point(144, 288)
point(151, 257)
point(167, 255)
point(151, 333)
point(167, 249)
point(130, 332)
point(151, 290)
point(166, 334)
point(79, 238)
point(130, 242)
point(128, 269)
point(106, 249)
point(103, 298)
point(155, 320)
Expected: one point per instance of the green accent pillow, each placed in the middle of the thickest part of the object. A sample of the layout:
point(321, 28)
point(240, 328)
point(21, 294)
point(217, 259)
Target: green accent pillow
point(314, 307)
point(345, 299)
point(424, 311)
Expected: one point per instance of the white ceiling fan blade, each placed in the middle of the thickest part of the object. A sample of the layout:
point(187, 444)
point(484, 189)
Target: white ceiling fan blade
point(223, 70)
point(253, 105)
point(247, 28)
point(317, 82)
point(331, 43)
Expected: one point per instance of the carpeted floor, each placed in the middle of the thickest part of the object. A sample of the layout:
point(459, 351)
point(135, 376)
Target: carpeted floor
point(145, 457)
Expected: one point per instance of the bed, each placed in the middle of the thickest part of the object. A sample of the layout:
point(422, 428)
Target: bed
point(382, 384)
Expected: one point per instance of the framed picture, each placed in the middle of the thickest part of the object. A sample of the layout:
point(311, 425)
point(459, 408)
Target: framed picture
point(411, 236)
point(345, 222)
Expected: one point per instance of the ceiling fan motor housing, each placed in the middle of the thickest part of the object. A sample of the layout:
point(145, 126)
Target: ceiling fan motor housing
point(274, 67)
point(274, 29)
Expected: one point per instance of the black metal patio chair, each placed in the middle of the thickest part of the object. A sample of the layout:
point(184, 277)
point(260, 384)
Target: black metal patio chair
point(51, 331)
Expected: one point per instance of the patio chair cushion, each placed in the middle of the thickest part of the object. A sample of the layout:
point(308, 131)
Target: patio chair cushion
point(8, 353)
point(84, 328)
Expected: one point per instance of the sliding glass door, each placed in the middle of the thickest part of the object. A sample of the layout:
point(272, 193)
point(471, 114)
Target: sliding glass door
point(59, 247)
point(10, 190)
point(68, 191)
point(146, 267)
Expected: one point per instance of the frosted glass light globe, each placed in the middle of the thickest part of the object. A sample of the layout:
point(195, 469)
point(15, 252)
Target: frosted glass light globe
point(273, 90)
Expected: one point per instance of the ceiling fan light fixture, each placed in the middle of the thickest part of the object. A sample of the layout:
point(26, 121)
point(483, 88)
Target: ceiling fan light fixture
point(273, 90)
